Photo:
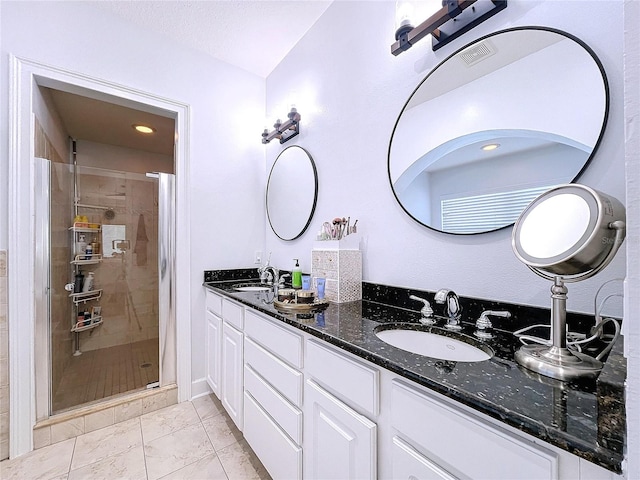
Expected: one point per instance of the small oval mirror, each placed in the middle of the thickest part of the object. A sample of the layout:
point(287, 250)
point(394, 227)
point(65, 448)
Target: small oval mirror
point(292, 192)
point(495, 125)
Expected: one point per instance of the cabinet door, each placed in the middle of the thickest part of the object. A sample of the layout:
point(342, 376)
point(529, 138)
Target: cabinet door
point(339, 442)
point(214, 354)
point(232, 370)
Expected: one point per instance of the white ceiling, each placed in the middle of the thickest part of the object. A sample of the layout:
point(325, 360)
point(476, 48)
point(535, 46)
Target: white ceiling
point(254, 35)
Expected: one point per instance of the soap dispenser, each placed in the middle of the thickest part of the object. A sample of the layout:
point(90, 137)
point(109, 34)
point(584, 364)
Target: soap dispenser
point(296, 275)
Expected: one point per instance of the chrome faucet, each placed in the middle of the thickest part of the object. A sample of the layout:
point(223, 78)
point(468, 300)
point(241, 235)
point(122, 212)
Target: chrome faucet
point(450, 300)
point(426, 311)
point(268, 273)
point(483, 324)
point(281, 281)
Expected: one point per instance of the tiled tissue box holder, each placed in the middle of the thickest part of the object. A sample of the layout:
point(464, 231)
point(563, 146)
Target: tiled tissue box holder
point(340, 262)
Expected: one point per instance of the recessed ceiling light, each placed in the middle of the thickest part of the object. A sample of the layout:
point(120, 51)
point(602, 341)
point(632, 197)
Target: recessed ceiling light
point(144, 129)
point(491, 146)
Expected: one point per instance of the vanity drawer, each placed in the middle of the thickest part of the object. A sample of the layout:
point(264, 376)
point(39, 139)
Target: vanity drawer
point(288, 417)
point(281, 457)
point(279, 340)
point(214, 302)
point(408, 463)
point(465, 445)
point(346, 377)
point(232, 313)
point(281, 376)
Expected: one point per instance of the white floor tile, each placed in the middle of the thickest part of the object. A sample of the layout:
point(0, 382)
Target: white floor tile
point(46, 463)
point(106, 442)
point(122, 451)
point(172, 452)
point(240, 463)
point(208, 468)
point(169, 419)
point(208, 406)
point(129, 464)
point(222, 431)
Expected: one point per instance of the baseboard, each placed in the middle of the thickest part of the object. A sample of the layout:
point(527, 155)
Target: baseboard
point(199, 388)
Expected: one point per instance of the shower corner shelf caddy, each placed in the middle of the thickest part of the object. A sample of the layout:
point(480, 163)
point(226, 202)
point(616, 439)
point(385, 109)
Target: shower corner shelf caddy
point(84, 297)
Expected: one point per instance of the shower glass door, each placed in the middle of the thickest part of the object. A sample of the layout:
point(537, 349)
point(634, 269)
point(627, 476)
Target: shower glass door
point(107, 338)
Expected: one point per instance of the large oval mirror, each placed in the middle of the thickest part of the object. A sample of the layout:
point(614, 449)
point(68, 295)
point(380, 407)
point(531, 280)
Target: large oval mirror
point(497, 123)
point(292, 191)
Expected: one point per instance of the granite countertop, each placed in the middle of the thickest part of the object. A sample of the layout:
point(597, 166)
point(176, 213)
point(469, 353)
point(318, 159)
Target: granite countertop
point(586, 419)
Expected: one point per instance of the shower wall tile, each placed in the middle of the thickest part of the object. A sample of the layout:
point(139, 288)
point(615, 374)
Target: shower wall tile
point(41, 437)
point(4, 434)
point(154, 402)
point(3, 263)
point(97, 420)
point(68, 429)
point(129, 283)
point(128, 410)
point(61, 215)
point(4, 400)
point(60, 271)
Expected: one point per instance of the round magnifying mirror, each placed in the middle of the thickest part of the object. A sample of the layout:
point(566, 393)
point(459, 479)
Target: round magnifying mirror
point(496, 124)
point(292, 192)
point(567, 234)
point(569, 230)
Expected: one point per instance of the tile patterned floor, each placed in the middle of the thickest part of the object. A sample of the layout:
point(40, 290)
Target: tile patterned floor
point(98, 374)
point(191, 440)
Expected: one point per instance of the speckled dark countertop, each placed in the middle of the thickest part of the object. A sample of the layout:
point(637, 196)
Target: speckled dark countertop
point(586, 419)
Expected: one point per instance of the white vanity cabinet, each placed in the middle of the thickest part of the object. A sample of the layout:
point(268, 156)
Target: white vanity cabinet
point(273, 394)
point(213, 315)
point(435, 438)
point(312, 410)
point(443, 442)
point(340, 442)
point(231, 360)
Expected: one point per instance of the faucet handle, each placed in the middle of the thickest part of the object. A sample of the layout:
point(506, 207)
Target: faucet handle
point(426, 311)
point(483, 324)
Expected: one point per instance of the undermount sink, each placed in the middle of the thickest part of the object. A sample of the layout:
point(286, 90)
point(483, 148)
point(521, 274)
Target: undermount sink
point(251, 287)
point(435, 343)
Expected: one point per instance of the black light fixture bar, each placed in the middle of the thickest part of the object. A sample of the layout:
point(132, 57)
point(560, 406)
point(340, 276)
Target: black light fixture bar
point(452, 20)
point(284, 131)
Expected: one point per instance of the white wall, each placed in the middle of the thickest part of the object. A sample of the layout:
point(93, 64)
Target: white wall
point(113, 157)
point(350, 91)
point(227, 159)
point(631, 328)
point(46, 113)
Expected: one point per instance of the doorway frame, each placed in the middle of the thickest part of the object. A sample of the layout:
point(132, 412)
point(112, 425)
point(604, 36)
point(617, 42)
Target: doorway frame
point(25, 76)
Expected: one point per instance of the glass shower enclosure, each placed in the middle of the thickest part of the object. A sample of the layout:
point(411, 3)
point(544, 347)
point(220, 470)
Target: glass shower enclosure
point(106, 310)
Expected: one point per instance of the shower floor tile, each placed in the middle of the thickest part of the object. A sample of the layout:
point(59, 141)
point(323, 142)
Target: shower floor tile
point(98, 374)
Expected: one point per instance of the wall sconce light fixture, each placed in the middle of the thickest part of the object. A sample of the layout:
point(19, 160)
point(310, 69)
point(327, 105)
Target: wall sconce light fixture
point(452, 20)
point(284, 131)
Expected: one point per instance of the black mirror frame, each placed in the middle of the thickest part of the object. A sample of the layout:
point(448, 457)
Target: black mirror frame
point(587, 162)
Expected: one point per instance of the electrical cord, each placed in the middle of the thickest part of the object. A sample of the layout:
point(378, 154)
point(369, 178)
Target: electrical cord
point(579, 339)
